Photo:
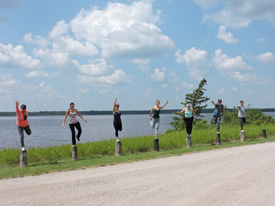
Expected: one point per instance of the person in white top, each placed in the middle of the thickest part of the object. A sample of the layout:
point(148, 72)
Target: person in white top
point(241, 114)
point(73, 122)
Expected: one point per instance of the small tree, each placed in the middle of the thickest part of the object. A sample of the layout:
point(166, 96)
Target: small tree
point(198, 102)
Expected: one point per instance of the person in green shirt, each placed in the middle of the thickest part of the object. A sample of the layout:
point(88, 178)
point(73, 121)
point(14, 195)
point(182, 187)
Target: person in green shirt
point(155, 118)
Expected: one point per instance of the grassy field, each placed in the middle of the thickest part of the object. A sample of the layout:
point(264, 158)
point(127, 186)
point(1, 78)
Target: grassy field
point(92, 154)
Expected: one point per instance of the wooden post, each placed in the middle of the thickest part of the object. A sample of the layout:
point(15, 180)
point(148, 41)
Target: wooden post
point(188, 141)
point(118, 148)
point(218, 138)
point(242, 136)
point(156, 145)
point(23, 158)
point(264, 133)
point(74, 153)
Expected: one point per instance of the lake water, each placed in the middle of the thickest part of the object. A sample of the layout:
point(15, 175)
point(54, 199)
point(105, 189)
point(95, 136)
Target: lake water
point(47, 130)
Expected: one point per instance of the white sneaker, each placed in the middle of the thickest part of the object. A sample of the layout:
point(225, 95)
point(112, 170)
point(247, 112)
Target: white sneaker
point(23, 149)
point(242, 130)
point(117, 140)
point(218, 132)
point(73, 145)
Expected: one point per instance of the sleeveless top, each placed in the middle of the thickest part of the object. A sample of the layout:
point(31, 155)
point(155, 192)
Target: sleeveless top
point(156, 113)
point(117, 117)
point(73, 117)
point(188, 114)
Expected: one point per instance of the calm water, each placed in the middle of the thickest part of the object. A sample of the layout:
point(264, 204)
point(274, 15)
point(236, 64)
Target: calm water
point(47, 130)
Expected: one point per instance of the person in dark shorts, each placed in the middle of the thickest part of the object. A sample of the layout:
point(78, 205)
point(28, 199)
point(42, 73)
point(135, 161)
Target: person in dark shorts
point(117, 120)
point(73, 123)
point(241, 114)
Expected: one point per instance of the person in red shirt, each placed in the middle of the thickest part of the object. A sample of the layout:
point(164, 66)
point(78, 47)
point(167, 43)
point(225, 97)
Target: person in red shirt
point(22, 123)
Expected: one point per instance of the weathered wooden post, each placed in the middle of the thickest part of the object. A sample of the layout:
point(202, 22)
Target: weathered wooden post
point(74, 153)
point(156, 145)
point(242, 136)
point(23, 158)
point(188, 141)
point(218, 138)
point(118, 148)
point(264, 133)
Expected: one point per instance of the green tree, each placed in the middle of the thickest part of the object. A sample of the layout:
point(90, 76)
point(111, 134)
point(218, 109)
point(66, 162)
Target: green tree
point(198, 102)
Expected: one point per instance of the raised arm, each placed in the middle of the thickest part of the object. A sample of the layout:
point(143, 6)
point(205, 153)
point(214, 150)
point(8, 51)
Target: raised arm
point(114, 105)
point(213, 103)
point(65, 118)
point(80, 115)
point(164, 104)
point(17, 109)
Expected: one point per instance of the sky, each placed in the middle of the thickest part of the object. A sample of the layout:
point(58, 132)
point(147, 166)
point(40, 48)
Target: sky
point(92, 51)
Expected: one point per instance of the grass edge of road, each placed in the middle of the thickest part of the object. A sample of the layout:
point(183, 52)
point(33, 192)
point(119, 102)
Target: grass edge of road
point(67, 164)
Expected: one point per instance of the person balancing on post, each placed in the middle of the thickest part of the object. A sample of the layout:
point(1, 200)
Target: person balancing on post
point(241, 114)
point(155, 120)
point(218, 113)
point(73, 122)
point(22, 123)
point(117, 120)
point(189, 116)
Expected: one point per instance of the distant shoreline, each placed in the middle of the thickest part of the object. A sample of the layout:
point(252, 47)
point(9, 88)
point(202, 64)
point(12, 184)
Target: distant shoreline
point(107, 112)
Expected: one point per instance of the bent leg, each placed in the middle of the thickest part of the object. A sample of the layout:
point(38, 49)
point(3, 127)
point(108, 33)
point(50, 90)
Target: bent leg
point(28, 130)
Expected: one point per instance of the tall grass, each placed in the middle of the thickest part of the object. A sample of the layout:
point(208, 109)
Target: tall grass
point(169, 140)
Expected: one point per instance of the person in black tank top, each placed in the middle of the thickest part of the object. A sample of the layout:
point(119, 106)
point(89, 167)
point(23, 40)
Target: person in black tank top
point(117, 120)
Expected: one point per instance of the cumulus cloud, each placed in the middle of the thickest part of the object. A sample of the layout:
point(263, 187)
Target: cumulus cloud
point(60, 29)
point(238, 13)
point(52, 58)
point(6, 80)
point(16, 56)
point(117, 77)
point(226, 65)
point(158, 75)
point(267, 57)
point(96, 67)
point(122, 30)
point(142, 64)
point(195, 60)
point(227, 37)
point(40, 73)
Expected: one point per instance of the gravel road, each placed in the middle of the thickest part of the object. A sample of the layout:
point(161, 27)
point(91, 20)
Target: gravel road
point(235, 176)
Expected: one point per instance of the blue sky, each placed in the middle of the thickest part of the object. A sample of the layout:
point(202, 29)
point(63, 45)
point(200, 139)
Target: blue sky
point(90, 52)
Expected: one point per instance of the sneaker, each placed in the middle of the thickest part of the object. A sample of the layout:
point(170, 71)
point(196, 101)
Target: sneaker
point(156, 137)
point(23, 149)
point(242, 130)
point(73, 145)
point(117, 140)
point(218, 132)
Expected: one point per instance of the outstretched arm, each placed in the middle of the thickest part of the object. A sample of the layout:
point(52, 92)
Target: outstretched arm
point(164, 104)
point(213, 103)
point(114, 105)
point(181, 111)
point(80, 115)
point(65, 118)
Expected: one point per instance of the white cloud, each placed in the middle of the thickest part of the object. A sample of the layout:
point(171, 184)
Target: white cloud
point(164, 85)
point(190, 86)
point(60, 29)
point(238, 13)
point(16, 56)
point(38, 40)
point(142, 64)
point(158, 75)
point(148, 92)
point(195, 60)
point(39, 73)
point(235, 89)
point(118, 77)
point(221, 91)
point(122, 30)
point(226, 65)
point(96, 67)
point(6, 80)
point(83, 91)
point(267, 57)
point(227, 37)
point(52, 58)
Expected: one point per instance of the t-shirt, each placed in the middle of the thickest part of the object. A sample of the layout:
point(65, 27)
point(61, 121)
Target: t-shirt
point(241, 111)
point(218, 110)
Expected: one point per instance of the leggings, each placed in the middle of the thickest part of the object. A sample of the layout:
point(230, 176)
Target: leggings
point(155, 125)
point(188, 124)
point(21, 133)
point(78, 127)
point(217, 120)
point(242, 120)
point(117, 126)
